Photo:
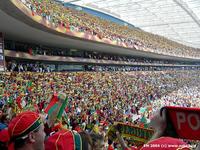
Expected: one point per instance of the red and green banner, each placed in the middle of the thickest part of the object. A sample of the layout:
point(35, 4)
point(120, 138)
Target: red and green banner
point(52, 105)
point(62, 109)
point(183, 122)
point(134, 132)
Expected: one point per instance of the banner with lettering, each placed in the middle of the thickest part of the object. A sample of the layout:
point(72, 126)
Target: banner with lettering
point(139, 134)
point(183, 122)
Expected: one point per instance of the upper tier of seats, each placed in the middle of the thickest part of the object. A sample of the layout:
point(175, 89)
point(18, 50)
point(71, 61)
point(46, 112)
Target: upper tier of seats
point(80, 21)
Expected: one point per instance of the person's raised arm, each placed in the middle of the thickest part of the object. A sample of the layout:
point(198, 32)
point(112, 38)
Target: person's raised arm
point(121, 141)
point(159, 124)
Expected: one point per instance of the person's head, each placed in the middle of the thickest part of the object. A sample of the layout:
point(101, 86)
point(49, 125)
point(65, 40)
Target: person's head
point(64, 140)
point(68, 140)
point(98, 142)
point(92, 141)
point(26, 131)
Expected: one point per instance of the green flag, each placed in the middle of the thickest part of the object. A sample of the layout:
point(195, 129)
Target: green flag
point(10, 100)
point(72, 28)
point(29, 84)
point(62, 108)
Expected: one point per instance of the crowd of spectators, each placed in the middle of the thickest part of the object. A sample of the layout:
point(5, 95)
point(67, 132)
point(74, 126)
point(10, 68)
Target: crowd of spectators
point(98, 99)
point(43, 50)
point(100, 56)
point(14, 66)
point(103, 56)
point(79, 21)
point(137, 68)
point(95, 100)
point(95, 55)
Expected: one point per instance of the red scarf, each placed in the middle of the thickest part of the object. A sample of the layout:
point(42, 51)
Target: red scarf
point(183, 122)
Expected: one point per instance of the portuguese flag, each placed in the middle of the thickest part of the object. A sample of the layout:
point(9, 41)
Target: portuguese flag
point(52, 105)
point(62, 108)
point(29, 86)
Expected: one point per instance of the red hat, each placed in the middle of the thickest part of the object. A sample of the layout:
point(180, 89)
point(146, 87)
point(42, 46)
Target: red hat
point(4, 136)
point(23, 124)
point(166, 143)
point(64, 140)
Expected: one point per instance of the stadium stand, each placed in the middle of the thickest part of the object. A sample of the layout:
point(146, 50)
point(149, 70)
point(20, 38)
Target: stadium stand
point(60, 98)
point(91, 98)
point(79, 21)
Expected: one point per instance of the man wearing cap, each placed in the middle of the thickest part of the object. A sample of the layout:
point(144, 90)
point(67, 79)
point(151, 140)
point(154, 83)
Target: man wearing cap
point(26, 132)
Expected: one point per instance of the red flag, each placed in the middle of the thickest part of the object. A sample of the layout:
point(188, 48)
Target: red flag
point(30, 51)
point(36, 108)
point(53, 101)
point(18, 101)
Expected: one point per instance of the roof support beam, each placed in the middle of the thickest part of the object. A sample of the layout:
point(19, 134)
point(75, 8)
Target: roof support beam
point(189, 11)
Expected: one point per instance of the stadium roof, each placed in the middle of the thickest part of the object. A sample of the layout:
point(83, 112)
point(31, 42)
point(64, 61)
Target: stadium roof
point(178, 20)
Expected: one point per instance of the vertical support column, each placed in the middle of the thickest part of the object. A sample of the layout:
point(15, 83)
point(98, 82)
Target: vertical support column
point(56, 67)
point(2, 57)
